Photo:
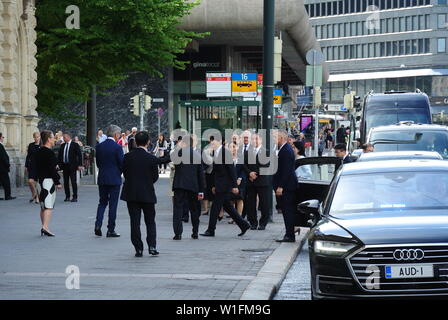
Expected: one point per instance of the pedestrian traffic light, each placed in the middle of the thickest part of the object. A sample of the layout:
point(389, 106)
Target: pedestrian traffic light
point(135, 105)
point(348, 101)
point(357, 103)
point(148, 104)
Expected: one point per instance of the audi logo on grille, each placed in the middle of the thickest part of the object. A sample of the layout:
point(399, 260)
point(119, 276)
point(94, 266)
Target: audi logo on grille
point(408, 254)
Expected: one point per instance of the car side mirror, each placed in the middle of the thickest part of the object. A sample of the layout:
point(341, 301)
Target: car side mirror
point(310, 209)
point(310, 206)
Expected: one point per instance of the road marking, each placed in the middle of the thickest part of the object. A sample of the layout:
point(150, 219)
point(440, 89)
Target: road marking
point(131, 275)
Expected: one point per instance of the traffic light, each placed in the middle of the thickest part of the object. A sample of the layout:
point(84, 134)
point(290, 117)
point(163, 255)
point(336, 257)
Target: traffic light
point(357, 103)
point(135, 105)
point(148, 104)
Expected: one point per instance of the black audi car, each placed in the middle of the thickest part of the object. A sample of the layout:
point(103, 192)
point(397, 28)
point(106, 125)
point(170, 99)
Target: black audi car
point(379, 229)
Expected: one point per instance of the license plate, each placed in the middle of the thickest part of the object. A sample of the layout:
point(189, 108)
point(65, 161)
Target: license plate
point(409, 271)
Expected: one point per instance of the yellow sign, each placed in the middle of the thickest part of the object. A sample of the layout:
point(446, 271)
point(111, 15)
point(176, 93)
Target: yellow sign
point(244, 86)
point(278, 100)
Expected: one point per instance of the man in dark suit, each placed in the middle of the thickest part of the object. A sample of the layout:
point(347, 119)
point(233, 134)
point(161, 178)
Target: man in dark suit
point(257, 185)
point(109, 160)
point(340, 150)
point(243, 155)
point(340, 135)
point(4, 170)
point(140, 170)
point(70, 161)
point(188, 186)
point(285, 185)
point(224, 184)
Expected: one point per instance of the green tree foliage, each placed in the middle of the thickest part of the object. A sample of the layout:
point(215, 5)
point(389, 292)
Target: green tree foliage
point(115, 38)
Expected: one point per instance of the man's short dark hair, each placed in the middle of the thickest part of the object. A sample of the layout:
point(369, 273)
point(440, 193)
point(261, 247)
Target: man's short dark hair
point(142, 138)
point(341, 146)
point(366, 145)
point(45, 135)
point(1, 135)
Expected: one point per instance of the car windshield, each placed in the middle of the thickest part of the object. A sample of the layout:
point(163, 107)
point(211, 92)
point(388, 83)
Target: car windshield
point(387, 192)
point(387, 116)
point(408, 140)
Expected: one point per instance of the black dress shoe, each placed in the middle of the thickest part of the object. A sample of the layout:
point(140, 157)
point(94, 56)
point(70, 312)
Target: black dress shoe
point(194, 236)
point(261, 227)
point(153, 251)
point(243, 231)
point(177, 237)
point(98, 232)
point(208, 234)
point(74, 200)
point(286, 239)
point(112, 234)
point(139, 253)
point(220, 218)
point(10, 198)
point(67, 200)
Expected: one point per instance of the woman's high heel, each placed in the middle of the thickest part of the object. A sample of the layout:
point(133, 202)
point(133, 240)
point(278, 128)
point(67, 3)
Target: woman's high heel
point(46, 233)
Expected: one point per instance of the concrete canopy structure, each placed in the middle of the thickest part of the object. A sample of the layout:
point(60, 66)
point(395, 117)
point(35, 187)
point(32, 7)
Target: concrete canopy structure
point(240, 24)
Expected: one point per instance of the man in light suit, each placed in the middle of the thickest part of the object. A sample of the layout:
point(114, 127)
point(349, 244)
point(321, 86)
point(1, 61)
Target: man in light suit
point(285, 185)
point(70, 161)
point(109, 160)
point(140, 170)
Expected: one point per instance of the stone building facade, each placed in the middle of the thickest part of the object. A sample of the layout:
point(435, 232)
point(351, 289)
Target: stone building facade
point(18, 116)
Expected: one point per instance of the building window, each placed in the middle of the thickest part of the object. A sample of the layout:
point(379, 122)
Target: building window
point(395, 48)
point(421, 22)
point(341, 7)
point(441, 21)
point(414, 47)
point(324, 9)
point(421, 46)
point(408, 46)
point(330, 30)
point(408, 24)
point(360, 28)
point(329, 7)
point(390, 25)
point(401, 47)
point(396, 25)
point(371, 50)
point(317, 9)
point(414, 23)
point(312, 10)
point(324, 31)
point(427, 46)
point(402, 24)
point(427, 21)
point(441, 45)
point(388, 48)
point(382, 49)
point(353, 27)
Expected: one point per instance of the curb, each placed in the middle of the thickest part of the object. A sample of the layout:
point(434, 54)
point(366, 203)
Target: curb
point(270, 277)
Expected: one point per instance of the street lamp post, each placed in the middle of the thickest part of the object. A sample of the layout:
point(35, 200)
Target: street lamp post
point(142, 107)
point(268, 78)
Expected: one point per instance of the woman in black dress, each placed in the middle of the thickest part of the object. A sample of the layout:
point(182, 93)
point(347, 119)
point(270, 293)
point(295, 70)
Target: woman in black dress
point(241, 179)
point(48, 176)
point(30, 166)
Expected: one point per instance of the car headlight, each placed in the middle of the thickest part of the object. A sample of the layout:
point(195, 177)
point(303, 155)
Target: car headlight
point(332, 248)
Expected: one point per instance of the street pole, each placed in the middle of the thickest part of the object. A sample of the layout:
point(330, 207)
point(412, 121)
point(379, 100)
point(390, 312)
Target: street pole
point(316, 114)
point(142, 107)
point(91, 118)
point(268, 79)
point(268, 68)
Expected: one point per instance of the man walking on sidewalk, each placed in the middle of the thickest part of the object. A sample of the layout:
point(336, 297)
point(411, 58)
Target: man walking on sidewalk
point(109, 160)
point(224, 184)
point(140, 170)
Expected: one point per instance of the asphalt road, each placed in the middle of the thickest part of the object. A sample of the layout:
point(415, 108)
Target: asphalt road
point(297, 285)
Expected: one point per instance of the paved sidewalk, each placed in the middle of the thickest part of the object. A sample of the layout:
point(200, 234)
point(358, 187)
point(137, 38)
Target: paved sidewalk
point(33, 267)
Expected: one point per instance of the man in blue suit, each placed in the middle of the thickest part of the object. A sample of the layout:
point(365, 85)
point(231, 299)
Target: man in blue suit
point(285, 184)
point(109, 160)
